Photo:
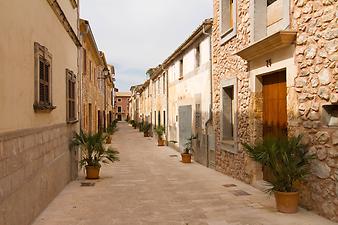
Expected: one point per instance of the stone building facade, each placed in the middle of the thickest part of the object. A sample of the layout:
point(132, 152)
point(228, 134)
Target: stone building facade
point(39, 104)
point(97, 84)
point(134, 103)
point(284, 47)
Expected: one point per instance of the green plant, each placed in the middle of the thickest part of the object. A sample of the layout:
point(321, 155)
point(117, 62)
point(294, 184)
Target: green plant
point(286, 158)
point(93, 150)
point(140, 126)
point(146, 127)
point(188, 145)
point(133, 123)
point(112, 128)
point(159, 131)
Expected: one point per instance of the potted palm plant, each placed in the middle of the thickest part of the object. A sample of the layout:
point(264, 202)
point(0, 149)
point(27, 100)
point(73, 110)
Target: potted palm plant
point(187, 151)
point(133, 124)
point(146, 129)
point(94, 152)
point(288, 162)
point(160, 131)
point(140, 126)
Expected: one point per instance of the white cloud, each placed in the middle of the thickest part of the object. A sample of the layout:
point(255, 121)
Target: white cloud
point(140, 34)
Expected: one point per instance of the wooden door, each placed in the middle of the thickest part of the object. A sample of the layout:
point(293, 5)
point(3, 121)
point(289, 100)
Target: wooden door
point(274, 105)
point(274, 110)
point(184, 124)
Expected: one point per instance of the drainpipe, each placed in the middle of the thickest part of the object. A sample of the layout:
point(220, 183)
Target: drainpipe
point(167, 101)
point(211, 94)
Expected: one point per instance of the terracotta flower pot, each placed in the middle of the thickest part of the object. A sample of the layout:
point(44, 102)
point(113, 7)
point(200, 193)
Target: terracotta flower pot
point(161, 142)
point(287, 202)
point(108, 140)
point(93, 172)
point(186, 158)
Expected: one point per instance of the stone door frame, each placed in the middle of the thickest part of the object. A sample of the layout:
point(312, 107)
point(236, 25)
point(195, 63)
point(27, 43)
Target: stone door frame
point(282, 59)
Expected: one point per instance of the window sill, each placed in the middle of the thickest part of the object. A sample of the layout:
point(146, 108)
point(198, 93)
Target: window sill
point(228, 35)
point(72, 121)
point(43, 108)
point(229, 146)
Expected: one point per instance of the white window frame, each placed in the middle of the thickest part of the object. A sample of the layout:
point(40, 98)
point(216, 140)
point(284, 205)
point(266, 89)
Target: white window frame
point(230, 145)
point(226, 35)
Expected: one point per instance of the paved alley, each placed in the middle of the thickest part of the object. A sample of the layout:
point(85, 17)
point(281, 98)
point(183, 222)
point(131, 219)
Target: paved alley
point(150, 186)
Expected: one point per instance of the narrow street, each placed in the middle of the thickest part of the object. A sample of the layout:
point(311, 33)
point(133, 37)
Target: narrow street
point(150, 186)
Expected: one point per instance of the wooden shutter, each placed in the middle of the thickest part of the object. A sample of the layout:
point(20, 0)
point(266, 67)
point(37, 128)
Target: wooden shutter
point(44, 82)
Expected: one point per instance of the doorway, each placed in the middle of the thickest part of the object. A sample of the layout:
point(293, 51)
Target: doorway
point(274, 105)
point(274, 110)
point(184, 124)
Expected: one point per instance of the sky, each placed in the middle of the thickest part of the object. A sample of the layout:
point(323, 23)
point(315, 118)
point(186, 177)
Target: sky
point(139, 34)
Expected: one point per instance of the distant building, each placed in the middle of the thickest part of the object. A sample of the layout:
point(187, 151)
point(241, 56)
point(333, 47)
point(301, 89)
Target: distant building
point(122, 105)
point(134, 103)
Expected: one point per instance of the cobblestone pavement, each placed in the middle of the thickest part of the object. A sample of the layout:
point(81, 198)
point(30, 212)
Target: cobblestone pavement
point(150, 186)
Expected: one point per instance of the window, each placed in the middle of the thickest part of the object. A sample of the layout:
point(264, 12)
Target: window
point(181, 69)
point(228, 19)
point(119, 109)
point(159, 85)
point(330, 115)
point(154, 85)
point(155, 118)
point(164, 119)
point(197, 56)
point(164, 83)
point(269, 2)
point(71, 96)
point(90, 70)
point(228, 115)
point(84, 61)
point(43, 78)
point(119, 99)
point(159, 118)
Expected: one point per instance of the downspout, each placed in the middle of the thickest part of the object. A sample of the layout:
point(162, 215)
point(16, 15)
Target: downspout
point(211, 94)
point(167, 101)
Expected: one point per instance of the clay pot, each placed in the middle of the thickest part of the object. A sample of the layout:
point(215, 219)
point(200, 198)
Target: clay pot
point(108, 140)
point(161, 142)
point(186, 158)
point(93, 172)
point(287, 202)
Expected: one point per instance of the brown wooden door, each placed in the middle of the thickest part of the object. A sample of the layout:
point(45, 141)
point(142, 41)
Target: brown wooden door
point(274, 105)
point(274, 110)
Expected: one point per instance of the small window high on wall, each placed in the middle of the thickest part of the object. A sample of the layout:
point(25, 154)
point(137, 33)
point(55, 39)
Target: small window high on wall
point(228, 19)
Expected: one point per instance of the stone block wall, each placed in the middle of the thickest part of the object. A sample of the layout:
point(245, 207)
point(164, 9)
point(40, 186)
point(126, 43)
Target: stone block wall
point(35, 165)
point(316, 85)
point(226, 65)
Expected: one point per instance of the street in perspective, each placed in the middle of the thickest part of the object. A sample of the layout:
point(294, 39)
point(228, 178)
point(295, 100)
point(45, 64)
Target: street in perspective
point(154, 112)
